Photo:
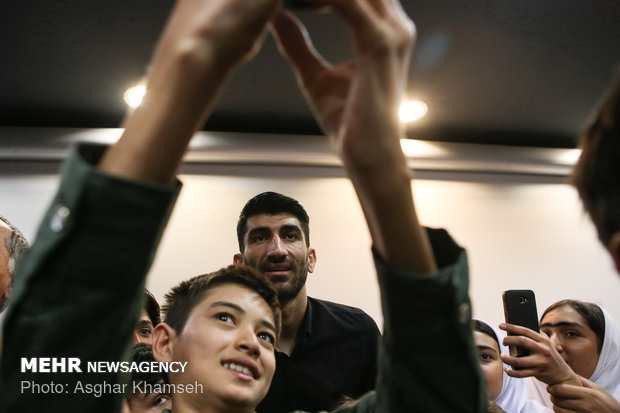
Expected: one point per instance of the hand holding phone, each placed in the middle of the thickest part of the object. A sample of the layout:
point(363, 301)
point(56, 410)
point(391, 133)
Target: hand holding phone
point(520, 309)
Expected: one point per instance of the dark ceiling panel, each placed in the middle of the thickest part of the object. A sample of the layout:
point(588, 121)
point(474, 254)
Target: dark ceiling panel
point(519, 72)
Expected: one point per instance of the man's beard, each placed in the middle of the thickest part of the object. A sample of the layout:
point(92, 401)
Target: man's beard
point(288, 290)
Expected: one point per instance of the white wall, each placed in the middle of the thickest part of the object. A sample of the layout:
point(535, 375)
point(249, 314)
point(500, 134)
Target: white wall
point(520, 231)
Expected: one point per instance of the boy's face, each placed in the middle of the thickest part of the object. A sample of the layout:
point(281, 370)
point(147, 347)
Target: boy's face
point(228, 342)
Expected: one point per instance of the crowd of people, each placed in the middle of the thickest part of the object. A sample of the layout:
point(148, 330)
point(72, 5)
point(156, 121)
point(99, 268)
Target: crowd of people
point(248, 336)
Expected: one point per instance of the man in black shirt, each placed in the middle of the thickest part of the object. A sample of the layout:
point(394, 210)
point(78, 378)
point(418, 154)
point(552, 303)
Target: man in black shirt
point(327, 352)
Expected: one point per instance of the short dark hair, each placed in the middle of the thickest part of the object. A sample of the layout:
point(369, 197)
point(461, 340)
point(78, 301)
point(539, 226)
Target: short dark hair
point(591, 313)
point(143, 352)
point(151, 306)
point(183, 298)
point(597, 173)
point(271, 203)
point(484, 328)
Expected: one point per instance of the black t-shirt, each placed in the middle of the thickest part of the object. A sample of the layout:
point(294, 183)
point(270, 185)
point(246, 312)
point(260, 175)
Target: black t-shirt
point(335, 356)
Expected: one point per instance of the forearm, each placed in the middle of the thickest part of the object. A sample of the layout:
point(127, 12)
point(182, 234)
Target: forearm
point(439, 373)
point(202, 44)
point(91, 254)
point(158, 132)
point(383, 186)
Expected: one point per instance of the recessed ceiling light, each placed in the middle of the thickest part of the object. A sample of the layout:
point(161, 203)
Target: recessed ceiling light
point(133, 96)
point(568, 156)
point(412, 110)
point(420, 149)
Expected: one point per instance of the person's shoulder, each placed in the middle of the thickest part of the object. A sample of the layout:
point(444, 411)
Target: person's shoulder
point(342, 312)
point(336, 307)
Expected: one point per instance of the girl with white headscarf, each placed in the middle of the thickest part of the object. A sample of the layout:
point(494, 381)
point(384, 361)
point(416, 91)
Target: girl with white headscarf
point(570, 320)
point(513, 396)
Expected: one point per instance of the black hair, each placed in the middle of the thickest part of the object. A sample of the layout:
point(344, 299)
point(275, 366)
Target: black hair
point(271, 203)
point(143, 352)
point(183, 298)
point(151, 306)
point(597, 173)
point(484, 328)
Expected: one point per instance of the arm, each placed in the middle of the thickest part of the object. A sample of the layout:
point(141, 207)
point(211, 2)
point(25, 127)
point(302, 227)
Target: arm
point(589, 397)
point(544, 362)
point(80, 285)
point(356, 103)
point(202, 44)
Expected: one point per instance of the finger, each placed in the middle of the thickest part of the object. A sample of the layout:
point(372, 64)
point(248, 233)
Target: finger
point(381, 6)
point(570, 405)
point(558, 409)
point(522, 363)
point(521, 341)
point(369, 20)
point(589, 384)
point(566, 391)
point(521, 372)
point(358, 13)
point(520, 331)
point(295, 44)
point(394, 7)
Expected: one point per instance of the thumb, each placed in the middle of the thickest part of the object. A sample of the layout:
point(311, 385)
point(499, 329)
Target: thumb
point(295, 44)
point(589, 384)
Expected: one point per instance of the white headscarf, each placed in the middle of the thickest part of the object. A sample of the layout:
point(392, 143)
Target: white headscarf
point(607, 372)
point(513, 398)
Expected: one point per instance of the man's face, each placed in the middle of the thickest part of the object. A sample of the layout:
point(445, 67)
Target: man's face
point(5, 277)
point(228, 343)
point(276, 246)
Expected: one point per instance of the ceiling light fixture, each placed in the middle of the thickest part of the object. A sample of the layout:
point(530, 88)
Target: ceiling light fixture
point(133, 96)
point(412, 110)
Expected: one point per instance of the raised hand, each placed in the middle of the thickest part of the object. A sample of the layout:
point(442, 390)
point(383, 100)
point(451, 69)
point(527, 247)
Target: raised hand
point(544, 362)
point(202, 44)
point(359, 97)
point(356, 103)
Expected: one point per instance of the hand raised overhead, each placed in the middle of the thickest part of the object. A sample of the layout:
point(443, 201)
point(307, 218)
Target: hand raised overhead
point(202, 44)
point(356, 103)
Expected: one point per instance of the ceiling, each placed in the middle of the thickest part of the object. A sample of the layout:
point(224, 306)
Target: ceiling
point(516, 72)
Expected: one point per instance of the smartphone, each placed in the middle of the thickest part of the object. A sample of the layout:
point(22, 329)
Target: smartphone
point(520, 309)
